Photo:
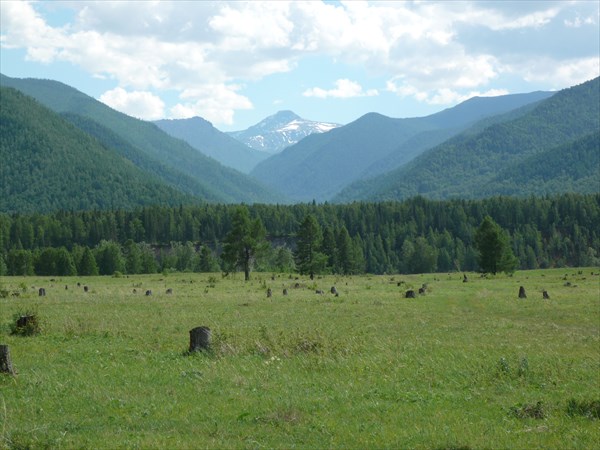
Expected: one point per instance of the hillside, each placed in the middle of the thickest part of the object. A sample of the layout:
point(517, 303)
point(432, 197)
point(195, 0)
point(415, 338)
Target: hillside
point(279, 131)
point(320, 166)
point(472, 164)
point(571, 167)
point(223, 184)
point(203, 136)
point(48, 164)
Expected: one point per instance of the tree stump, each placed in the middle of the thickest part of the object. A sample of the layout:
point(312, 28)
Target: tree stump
point(410, 294)
point(334, 290)
point(545, 295)
point(25, 321)
point(422, 291)
point(5, 362)
point(199, 339)
point(148, 293)
point(465, 279)
point(85, 289)
point(522, 292)
point(285, 292)
point(169, 291)
point(42, 292)
point(269, 293)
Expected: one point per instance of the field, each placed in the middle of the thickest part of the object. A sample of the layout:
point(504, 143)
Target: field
point(466, 365)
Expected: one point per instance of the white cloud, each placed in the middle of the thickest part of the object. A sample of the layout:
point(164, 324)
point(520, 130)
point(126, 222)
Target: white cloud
point(192, 47)
point(344, 88)
point(216, 103)
point(442, 96)
point(143, 105)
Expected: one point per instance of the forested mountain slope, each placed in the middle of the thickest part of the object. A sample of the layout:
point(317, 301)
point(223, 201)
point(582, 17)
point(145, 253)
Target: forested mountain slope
point(167, 174)
point(203, 136)
point(48, 164)
point(319, 166)
point(224, 184)
point(571, 167)
point(469, 165)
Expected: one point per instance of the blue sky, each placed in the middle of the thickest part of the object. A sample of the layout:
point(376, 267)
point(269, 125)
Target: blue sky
point(234, 63)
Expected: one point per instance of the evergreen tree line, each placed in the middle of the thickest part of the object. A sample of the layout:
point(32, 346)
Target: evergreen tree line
point(414, 236)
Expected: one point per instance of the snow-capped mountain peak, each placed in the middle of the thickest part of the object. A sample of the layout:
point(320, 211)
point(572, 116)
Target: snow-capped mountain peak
point(279, 131)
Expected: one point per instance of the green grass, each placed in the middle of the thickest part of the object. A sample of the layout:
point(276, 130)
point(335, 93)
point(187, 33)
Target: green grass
point(468, 365)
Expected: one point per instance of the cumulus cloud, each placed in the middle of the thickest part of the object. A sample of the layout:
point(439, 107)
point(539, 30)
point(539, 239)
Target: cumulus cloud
point(441, 96)
point(431, 50)
point(215, 103)
point(143, 105)
point(344, 88)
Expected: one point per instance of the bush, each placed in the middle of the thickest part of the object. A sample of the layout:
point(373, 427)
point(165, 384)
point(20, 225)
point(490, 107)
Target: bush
point(25, 323)
point(528, 411)
point(589, 408)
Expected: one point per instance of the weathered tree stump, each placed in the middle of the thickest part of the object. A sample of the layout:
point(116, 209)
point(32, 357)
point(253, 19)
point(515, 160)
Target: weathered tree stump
point(5, 362)
point(465, 279)
point(85, 289)
point(410, 294)
point(148, 293)
point(269, 293)
point(199, 339)
point(285, 291)
point(545, 295)
point(66, 287)
point(522, 293)
point(422, 291)
point(334, 290)
point(169, 291)
point(319, 292)
point(24, 321)
point(42, 292)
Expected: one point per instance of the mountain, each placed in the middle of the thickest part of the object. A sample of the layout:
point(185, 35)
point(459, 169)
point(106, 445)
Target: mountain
point(203, 136)
point(571, 167)
point(548, 149)
point(279, 131)
point(211, 181)
point(48, 164)
point(321, 165)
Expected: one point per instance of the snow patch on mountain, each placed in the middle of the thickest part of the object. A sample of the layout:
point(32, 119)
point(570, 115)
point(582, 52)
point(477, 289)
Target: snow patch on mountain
point(279, 131)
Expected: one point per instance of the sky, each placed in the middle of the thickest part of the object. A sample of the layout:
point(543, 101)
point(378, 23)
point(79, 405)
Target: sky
point(235, 63)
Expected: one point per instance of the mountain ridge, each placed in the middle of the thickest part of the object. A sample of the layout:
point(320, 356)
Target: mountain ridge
point(225, 184)
point(466, 166)
point(320, 166)
point(280, 130)
point(203, 136)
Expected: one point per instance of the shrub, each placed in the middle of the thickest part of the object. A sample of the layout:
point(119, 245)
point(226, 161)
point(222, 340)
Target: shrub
point(589, 408)
point(528, 411)
point(25, 323)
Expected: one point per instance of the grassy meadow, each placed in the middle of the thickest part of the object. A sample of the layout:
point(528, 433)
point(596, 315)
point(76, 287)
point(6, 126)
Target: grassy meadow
point(466, 365)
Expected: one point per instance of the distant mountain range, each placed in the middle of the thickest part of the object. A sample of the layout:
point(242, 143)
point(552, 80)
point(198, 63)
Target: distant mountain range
point(321, 165)
point(279, 131)
point(204, 137)
point(549, 148)
point(65, 150)
point(48, 164)
point(173, 161)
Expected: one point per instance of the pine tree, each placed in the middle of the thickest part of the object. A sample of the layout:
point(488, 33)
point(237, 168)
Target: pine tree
point(495, 254)
point(245, 243)
point(88, 265)
point(309, 260)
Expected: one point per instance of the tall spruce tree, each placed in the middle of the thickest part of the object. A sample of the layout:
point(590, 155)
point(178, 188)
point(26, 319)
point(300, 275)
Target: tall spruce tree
point(495, 253)
point(309, 260)
point(245, 243)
